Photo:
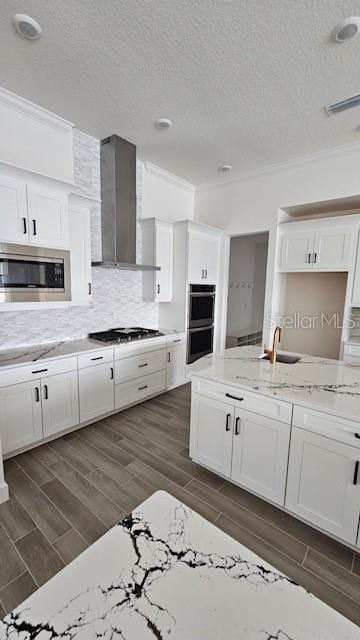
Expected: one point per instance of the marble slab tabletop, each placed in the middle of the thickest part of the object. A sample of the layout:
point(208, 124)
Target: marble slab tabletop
point(165, 572)
point(47, 351)
point(331, 386)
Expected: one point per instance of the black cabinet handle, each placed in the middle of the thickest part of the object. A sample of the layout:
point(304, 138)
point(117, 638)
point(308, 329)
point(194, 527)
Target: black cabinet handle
point(46, 392)
point(25, 225)
point(229, 395)
point(169, 356)
point(178, 340)
point(357, 435)
point(98, 358)
point(89, 288)
point(158, 288)
point(39, 371)
point(34, 228)
point(205, 274)
point(227, 424)
point(145, 364)
point(111, 373)
point(37, 394)
point(356, 473)
point(143, 387)
point(237, 426)
point(315, 258)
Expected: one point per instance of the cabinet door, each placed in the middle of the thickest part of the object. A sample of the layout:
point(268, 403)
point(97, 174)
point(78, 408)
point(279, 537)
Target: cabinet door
point(321, 485)
point(211, 433)
point(202, 258)
point(164, 260)
point(260, 455)
point(20, 415)
point(60, 402)
point(175, 366)
point(48, 217)
point(355, 301)
point(80, 254)
point(297, 248)
point(96, 391)
point(13, 211)
point(333, 248)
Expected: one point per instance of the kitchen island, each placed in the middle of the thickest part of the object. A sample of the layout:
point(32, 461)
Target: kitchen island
point(164, 572)
point(290, 433)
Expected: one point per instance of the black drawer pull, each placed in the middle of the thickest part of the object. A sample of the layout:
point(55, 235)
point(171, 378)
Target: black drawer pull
point(40, 371)
point(142, 365)
point(98, 358)
point(178, 340)
point(229, 395)
point(227, 424)
point(145, 386)
point(357, 435)
point(356, 473)
point(237, 426)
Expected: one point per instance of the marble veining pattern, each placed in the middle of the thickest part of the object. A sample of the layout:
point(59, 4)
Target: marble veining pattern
point(117, 295)
point(166, 572)
point(328, 385)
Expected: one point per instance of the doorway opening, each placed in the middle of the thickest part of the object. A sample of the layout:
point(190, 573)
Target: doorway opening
point(246, 289)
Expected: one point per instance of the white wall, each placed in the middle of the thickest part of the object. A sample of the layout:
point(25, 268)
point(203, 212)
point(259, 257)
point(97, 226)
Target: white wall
point(165, 196)
point(252, 204)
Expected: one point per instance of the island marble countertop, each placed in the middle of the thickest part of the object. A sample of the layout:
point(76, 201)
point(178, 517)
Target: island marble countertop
point(165, 572)
point(327, 385)
point(51, 350)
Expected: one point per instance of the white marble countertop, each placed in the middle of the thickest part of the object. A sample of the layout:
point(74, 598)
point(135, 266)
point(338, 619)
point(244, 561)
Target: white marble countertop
point(49, 351)
point(331, 386)
point(165, 572)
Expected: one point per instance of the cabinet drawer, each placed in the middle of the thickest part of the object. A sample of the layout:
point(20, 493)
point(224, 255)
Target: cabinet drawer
point(37, 370)
point(139, 389)
point(175, 339)
point(142, 346)
point(352, 350)
point(245, 399)
point(327, 425)
point(139, 365)
point(95, 357)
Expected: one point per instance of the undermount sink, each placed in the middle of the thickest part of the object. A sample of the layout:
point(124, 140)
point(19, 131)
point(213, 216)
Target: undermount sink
point(286, 358)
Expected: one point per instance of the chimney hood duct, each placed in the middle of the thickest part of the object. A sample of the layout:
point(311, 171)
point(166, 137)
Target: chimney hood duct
point(118, 209)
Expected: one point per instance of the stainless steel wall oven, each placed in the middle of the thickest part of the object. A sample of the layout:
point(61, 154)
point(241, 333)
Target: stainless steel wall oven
point(200, 337)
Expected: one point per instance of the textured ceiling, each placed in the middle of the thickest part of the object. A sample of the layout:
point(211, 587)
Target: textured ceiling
point(244, 81)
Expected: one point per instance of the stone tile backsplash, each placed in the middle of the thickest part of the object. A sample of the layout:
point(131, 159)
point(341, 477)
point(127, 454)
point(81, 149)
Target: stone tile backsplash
point(116, 299)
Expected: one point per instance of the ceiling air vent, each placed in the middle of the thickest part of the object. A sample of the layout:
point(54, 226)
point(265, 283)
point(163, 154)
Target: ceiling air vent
point(344, 105)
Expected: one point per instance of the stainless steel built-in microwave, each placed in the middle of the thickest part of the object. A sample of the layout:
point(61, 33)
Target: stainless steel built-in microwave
point(34, 274)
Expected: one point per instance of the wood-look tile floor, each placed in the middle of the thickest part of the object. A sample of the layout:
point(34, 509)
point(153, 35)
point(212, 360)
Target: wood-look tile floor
point(66, 494)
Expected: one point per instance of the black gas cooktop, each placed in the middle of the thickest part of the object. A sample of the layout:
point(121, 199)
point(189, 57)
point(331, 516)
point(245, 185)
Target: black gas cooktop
point(125, 334)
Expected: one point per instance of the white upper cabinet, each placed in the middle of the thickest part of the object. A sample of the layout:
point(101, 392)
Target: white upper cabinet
point(80, 254)
point(33, 214)
point(48, 217)
point(297, 248)
point(203, 257)
point(323, 485)
point(13, 211)
point(309, 246)
point(157, 249)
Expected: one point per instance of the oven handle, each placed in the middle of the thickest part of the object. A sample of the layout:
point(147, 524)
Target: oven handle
point(203, 328)
point(202, 295)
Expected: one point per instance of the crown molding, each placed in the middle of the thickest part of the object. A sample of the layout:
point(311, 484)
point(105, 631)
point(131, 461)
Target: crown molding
point(279, 166)
point(171, 177)
point(33, 111)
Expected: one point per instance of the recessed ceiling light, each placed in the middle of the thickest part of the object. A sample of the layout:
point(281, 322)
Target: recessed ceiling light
point(163, 123)
point(346, 29)
point(27, 26)
point(224, 168)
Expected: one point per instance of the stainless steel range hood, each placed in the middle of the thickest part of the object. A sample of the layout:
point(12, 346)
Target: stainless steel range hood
point(118, 209)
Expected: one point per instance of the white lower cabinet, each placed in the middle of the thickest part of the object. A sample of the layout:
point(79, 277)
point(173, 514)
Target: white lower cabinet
point(60, 402)
point(211, 434)
point(96, 391)
point(175, 365)
point(260, 455)
point(20, 416)
point(137, 390)
point(322, 486)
